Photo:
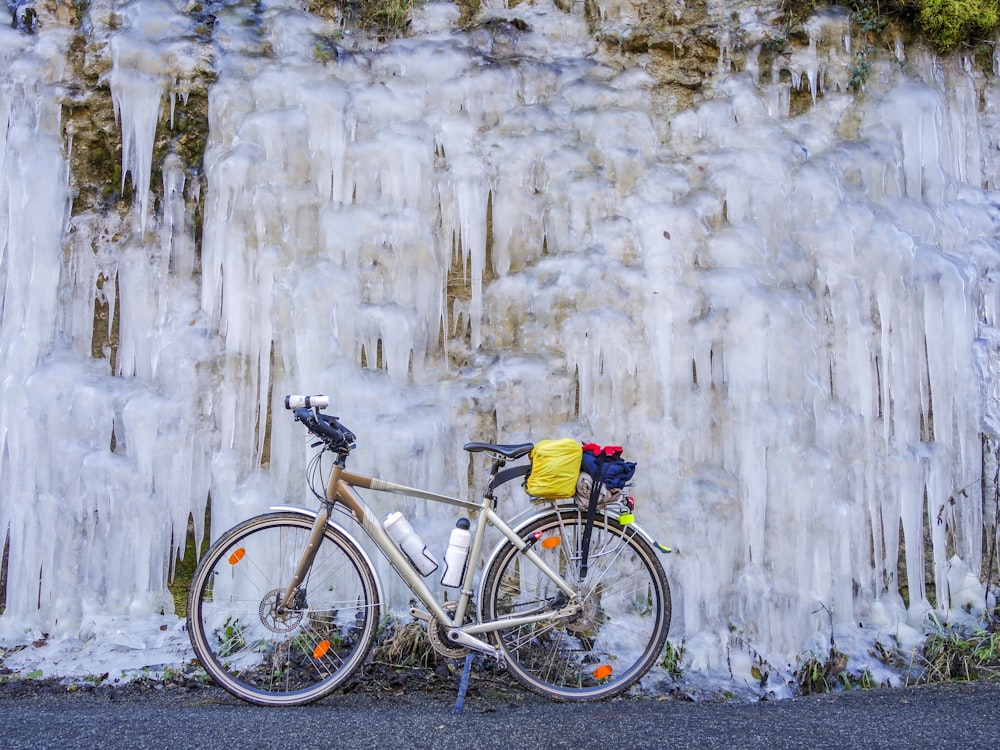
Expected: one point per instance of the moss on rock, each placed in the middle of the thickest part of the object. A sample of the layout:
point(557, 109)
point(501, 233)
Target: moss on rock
point(950, 23)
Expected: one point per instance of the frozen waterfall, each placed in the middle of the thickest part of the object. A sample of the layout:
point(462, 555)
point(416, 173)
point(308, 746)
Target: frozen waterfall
point(789, 320)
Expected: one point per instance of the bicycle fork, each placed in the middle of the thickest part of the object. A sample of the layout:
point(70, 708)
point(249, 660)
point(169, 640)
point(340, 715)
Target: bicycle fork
point(315, 538)
point(305, 562)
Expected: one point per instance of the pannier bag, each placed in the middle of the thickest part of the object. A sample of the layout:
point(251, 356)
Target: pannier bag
point(555, 468)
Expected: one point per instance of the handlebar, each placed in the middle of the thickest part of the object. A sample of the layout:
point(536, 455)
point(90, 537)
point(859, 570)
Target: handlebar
point(307, 410)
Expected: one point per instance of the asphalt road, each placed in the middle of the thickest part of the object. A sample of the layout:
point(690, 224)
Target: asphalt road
point(958, 715)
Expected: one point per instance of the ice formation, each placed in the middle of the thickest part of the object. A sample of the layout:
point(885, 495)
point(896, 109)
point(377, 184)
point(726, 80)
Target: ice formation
point(790, 321)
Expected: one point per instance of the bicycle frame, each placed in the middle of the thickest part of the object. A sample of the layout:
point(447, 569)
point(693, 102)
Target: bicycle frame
point(341, 488)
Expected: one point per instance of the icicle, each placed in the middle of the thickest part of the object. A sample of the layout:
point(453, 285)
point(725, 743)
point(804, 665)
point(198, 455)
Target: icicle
point(474, 235)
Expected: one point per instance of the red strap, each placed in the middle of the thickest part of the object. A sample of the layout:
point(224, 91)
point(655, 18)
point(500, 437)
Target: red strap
point(607, 450)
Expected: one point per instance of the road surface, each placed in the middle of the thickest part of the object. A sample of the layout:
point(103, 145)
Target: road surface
point(171, 717)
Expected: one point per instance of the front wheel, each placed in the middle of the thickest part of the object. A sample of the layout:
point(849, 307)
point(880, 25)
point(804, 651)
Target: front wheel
point(625, 597)
point(267, 654)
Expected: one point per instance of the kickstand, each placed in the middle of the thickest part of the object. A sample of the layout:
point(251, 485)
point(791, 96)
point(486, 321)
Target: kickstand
point(464, 684)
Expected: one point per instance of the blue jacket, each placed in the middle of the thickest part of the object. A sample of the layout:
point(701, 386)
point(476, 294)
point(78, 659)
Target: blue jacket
point(615, 472)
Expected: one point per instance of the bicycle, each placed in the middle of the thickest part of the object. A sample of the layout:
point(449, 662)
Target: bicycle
point(285, 607)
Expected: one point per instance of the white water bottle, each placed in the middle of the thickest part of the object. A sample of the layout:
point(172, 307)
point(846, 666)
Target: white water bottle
point(457, 554)
point(413, 547)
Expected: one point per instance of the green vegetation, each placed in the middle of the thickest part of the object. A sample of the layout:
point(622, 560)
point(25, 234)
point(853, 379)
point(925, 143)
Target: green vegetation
point(387, 18)
point(950, 23)
point(673, 654)
point(384, 15)
point(816, 674)
point(951, 654)
point(944, 24)
point(947, 654)
point(821, 674)
point(869, 25)
point(183, 568)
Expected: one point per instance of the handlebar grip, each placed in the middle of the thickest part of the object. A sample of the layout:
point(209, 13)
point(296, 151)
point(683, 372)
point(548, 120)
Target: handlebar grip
point(324, 425)
point(306, 402)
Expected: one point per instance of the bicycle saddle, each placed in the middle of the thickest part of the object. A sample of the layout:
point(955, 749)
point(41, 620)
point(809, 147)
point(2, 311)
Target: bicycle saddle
point(507, 451)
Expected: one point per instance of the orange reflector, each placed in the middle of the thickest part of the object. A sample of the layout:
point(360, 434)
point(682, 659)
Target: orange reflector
point(321, 648)
point(551, 542)
point(237, 556)
point(603, 671)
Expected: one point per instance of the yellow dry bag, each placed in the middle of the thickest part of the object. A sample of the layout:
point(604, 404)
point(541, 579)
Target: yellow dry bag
point(555, 468)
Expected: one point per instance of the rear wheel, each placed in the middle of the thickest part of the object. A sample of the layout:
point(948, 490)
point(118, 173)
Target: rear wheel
point(275, 656)
point(619, 634)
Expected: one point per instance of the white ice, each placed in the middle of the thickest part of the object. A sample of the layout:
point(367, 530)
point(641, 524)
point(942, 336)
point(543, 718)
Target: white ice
point(789, 321)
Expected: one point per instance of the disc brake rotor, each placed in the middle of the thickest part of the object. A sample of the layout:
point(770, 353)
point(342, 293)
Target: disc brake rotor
point(269, 617)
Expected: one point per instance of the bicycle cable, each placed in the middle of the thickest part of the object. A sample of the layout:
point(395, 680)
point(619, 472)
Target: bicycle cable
point(314, 471)
point(315, 478)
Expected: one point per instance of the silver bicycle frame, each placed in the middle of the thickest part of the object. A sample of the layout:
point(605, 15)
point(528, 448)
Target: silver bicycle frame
point(342, 487)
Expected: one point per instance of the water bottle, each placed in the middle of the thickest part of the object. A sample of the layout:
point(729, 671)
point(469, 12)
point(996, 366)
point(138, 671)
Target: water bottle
point(403, 534)
point(457, 554)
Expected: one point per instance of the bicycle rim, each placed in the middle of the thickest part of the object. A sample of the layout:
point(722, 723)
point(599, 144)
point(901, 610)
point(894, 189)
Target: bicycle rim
point(272, 657)
point(626, 609)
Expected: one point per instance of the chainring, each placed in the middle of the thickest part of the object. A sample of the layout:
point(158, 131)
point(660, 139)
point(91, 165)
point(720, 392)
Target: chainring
point(437, 633)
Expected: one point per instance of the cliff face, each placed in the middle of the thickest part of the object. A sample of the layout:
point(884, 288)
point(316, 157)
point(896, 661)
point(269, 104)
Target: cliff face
point(683, 46)
point(761, 257)
point(679, 44)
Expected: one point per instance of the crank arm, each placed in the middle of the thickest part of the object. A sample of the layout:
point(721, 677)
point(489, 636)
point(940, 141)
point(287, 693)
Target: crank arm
point(460, 638)
point(419, 614)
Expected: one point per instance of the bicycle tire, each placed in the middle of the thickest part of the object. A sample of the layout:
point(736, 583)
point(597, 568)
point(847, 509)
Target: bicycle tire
point(303, 654)
point(626, 608)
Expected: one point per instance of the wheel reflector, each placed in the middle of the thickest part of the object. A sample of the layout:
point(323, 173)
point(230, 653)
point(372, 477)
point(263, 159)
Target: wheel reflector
point(551, 542)
point(603, 671)
point(237, 556)
point(321, 648)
